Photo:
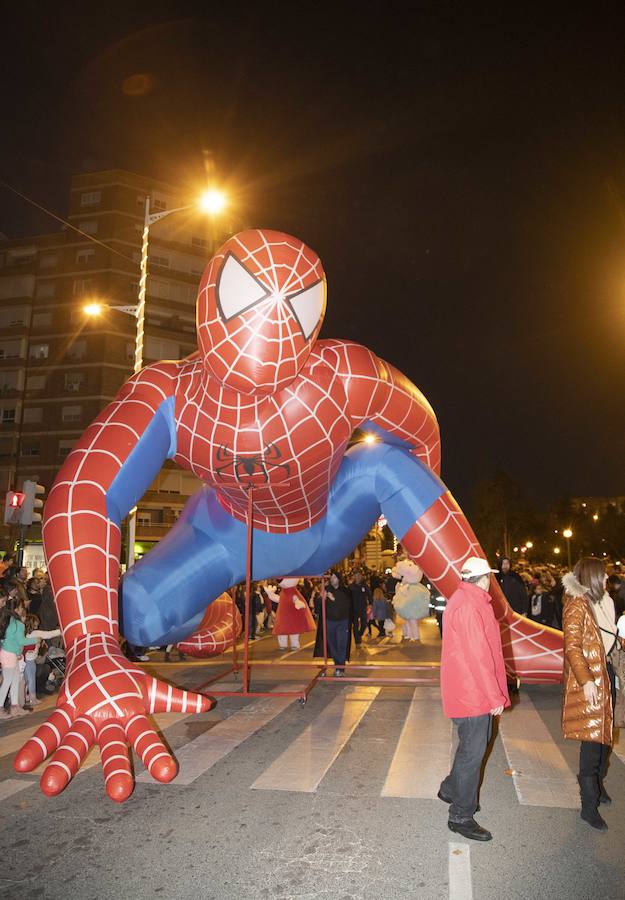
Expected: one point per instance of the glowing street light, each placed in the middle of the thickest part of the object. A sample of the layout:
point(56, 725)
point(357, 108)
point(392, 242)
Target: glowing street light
point(529, 544)
point(93, 309)
point(370, 438)
point(213, 202)
point(595, 518)
point(556, 550)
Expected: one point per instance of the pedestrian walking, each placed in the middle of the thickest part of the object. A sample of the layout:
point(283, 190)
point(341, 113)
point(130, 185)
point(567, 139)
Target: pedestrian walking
point(361, 598)
point(380, 610)
point(473, 688)
point(589, 684)
point(338, 623)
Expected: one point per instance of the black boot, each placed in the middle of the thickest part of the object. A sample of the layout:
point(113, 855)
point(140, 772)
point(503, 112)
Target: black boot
point(589, 792)
point(604, 797)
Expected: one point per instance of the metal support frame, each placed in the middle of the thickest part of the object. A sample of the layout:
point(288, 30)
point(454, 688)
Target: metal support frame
point(322, 669)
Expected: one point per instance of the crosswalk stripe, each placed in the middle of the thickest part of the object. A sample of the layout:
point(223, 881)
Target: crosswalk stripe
point(540, 773)
point(307, 759)
point(12, 786)
point(460, 884)
point(209, 748)
point(423, 753)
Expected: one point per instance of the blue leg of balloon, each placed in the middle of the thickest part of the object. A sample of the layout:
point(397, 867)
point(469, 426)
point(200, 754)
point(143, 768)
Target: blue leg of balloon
point(165, 595)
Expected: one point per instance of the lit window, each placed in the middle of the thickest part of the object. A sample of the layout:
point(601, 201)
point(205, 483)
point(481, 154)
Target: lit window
point(39, 351)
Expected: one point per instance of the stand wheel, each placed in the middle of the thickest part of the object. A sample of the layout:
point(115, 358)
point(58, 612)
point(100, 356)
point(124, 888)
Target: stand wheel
point(302, 701)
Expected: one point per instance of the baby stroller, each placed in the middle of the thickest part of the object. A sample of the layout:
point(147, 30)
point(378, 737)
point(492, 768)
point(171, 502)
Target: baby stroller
point(55, 658)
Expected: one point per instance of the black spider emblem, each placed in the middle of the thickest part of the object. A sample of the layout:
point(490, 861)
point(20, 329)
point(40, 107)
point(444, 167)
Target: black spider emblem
point(247, 466)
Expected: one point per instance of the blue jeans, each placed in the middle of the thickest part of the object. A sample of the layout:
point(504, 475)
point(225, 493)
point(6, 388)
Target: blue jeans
point(30, 672)
point(338, 636)
point(462, 783)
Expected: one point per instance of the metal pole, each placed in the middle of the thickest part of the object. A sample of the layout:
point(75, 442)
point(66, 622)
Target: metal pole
point(248, 586)
point(140, 314)
point(21, 545)
point(323, 618)
point(568, 551)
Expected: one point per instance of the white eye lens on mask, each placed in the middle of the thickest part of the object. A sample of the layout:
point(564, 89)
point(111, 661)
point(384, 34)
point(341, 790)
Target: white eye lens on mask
point(237, 289)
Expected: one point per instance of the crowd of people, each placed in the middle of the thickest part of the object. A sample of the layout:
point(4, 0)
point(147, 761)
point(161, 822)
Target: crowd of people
point(537, 592)
point(359, 605)
point(31, 656)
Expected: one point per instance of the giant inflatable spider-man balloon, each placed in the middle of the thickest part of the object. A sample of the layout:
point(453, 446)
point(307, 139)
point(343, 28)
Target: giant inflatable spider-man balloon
point(264, 404)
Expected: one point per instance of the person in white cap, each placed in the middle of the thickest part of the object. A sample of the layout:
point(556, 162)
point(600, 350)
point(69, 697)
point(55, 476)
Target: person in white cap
point(473, 688)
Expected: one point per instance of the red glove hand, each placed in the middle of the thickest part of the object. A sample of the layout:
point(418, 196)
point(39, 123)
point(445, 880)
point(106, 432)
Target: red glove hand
point(105, 699)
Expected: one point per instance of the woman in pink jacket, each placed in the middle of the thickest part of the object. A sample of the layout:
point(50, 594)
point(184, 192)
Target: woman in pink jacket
point(473, 688)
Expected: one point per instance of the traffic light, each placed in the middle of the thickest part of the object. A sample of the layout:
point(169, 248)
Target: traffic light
point(31, 503)
point(13, 507)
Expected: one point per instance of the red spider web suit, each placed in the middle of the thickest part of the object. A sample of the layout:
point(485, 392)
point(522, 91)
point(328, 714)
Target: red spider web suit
point(263, 404)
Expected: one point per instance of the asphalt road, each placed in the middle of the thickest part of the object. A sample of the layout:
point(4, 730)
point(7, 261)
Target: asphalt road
point(332, 800)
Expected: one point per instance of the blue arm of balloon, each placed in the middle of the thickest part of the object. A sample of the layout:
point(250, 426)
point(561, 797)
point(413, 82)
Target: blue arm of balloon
point(156, 444)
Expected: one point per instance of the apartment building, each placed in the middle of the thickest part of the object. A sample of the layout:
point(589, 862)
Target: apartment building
point(58, 366)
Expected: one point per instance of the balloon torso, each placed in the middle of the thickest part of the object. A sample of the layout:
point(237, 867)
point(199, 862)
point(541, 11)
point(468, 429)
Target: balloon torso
point(288, 445)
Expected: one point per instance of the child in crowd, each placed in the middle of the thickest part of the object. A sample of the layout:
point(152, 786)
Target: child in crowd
point(12, 641)
point(31, 652)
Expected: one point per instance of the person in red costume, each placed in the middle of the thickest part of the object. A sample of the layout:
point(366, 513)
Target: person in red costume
point(263, 412)
point(293, 617)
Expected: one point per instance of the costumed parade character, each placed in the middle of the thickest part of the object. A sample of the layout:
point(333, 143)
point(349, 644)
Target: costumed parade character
point(262, 413)
point(411, 599)
point(293, 617)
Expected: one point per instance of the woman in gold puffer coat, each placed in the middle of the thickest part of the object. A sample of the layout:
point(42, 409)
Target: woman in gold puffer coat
point(589, 634)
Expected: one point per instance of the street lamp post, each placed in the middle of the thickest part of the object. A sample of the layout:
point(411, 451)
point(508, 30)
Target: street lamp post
point(212, 202)
point(568, 534)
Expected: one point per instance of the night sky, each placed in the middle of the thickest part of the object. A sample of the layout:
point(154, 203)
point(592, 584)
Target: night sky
point(461, 174)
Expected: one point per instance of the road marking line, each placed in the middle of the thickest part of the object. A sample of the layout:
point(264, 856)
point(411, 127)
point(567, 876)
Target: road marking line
point(307, 759)
point(202, 753)
point(460, 886)
point(422, 756)
point(13, 786)
point(540, 773)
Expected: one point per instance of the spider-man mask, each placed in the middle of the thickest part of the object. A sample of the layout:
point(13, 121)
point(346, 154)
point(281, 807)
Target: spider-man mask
point(260, 307)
